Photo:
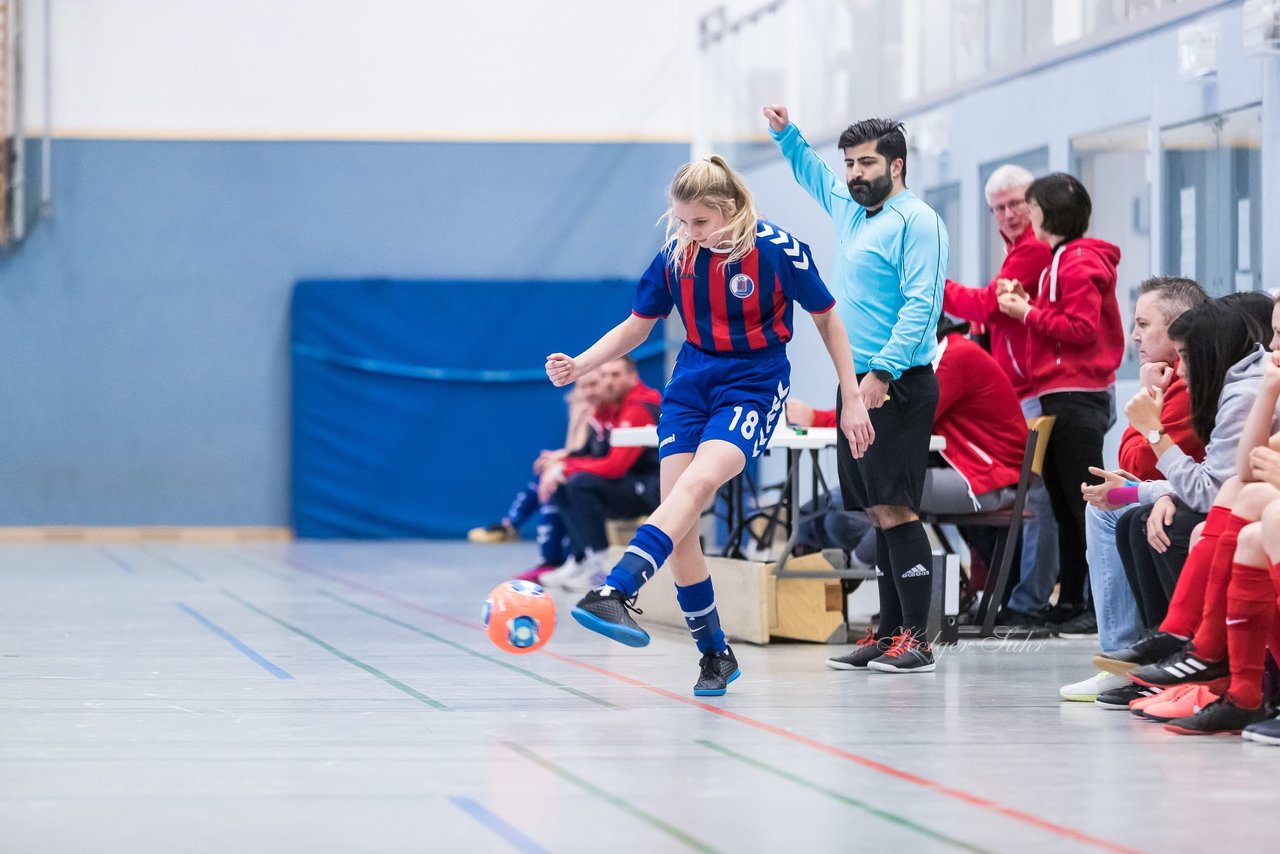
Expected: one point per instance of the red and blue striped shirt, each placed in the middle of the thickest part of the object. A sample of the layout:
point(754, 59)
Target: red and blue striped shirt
point(736, 307)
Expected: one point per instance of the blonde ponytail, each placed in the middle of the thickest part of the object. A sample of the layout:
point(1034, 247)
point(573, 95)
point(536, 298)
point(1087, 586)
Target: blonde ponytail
point(711, 182)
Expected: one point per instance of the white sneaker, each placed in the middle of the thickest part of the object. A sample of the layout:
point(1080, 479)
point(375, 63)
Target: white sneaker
point(579, 576)
point(557, 576)
point(1087, 690)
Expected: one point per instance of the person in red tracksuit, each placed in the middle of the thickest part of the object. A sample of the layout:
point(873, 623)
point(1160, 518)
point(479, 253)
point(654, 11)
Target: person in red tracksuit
point(1026, 257)
point(622, 483)
point(1074, 345)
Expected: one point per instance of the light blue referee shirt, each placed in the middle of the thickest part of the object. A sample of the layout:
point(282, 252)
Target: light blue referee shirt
point(889, 268)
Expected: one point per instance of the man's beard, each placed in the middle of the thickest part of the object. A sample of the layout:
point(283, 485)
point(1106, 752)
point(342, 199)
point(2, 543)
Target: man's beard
point(870, 194)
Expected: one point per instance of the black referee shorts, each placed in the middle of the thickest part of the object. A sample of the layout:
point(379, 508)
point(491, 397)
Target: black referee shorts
point(891, 472)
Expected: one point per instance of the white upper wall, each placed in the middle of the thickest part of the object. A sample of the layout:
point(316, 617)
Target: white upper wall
point(382, 69)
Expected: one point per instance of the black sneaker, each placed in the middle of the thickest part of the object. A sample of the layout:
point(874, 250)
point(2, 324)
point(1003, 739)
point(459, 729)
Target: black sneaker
point(1180, 668)
point(867, 650)
point(1062, 613)
point(604, 610)
point(1264, 732)
point(906, 654)
point(1151, 648)
point(715, 671)
point(1082, 625)
point(1020, 623)
point(1120, 698)
point(1221, 717)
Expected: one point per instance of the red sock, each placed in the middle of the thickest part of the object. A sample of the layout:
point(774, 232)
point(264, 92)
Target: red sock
point(1251, 607)
point(1216, 546)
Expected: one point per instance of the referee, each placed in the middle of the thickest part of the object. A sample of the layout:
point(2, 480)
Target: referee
point(888, 275)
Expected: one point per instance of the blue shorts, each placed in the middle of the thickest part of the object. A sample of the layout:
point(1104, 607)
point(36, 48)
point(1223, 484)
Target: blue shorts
point(735, 398)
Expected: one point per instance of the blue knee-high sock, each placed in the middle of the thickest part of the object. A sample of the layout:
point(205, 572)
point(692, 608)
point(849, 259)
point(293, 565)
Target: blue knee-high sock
point(524, 505)
point(648, 551)
point(698, 602)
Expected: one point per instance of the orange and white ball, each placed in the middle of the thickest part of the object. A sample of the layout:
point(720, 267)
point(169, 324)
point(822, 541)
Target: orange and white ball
point(519, 616)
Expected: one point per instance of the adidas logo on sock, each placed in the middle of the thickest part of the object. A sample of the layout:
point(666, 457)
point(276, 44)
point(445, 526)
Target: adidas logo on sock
point(915, 572)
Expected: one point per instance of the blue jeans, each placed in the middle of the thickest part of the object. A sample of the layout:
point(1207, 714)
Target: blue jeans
point(1118, 623)
point(1039, 554)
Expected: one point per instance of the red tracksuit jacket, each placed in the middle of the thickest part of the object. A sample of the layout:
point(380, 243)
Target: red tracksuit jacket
point(1025, 259)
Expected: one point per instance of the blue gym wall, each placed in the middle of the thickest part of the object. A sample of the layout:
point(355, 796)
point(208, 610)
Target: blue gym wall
point(143, 329)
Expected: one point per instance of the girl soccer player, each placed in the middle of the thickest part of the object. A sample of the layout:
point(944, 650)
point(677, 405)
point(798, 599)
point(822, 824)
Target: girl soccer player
point(733, 278)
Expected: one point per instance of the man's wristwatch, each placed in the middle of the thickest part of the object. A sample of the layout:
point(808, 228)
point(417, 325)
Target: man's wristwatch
point(1154, 436)
point(882, 375)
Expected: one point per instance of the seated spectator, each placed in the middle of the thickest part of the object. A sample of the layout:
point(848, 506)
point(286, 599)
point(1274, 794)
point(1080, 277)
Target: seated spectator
point(585, 437)
point(1160, 302)
point(1075, 341)
point(622, 483)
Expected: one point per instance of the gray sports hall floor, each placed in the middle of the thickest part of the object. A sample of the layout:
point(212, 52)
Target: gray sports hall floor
point(339, 697)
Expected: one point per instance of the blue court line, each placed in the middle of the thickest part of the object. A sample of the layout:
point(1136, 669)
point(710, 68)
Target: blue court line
point(518, 840)
point(118, 562)
point(236, 642)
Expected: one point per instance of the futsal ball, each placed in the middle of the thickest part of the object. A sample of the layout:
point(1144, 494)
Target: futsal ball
point(519, 616)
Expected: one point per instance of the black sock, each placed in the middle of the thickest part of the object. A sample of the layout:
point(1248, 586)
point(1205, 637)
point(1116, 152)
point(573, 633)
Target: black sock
point(890, 605)
point(912, 558)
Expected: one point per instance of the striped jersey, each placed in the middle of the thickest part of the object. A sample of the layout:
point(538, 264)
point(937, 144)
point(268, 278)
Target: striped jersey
point(736, 307)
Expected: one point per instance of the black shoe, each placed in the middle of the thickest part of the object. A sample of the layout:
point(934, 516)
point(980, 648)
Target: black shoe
point(1082, 625)
point(1266, 732)
point(1221, 717)
point(1180, 668)
point(1151, 648)
point(1063, 612)
point(715, 671)
point(1120, 698)
point(867, 650)
point(906, 654)
point(604, 610)
point(1011, 618)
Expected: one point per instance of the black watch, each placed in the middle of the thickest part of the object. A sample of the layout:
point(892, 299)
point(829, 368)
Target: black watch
point(884, 376)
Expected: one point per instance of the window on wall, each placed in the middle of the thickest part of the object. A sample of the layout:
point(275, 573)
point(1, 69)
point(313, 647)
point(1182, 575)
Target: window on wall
point(1212, 210)
point(946, 201)
point(1112, 165)
point(993, 249)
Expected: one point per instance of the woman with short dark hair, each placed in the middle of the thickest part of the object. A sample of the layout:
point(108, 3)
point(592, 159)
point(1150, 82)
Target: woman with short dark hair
point(1074, 344)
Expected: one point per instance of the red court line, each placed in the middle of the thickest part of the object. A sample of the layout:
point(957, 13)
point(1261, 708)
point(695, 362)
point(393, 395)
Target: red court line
point(829, 749)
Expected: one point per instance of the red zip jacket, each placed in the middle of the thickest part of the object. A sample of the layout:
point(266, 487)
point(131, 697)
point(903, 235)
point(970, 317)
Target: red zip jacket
point(979, 416)
point(638, 408)
point(1136, 455)
point(1025, 260)
point(1075, 339)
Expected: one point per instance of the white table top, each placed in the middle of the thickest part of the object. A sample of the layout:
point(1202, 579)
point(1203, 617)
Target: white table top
point(783, 437)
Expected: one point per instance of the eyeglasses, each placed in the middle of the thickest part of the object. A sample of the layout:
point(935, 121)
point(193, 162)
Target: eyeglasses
point(1008, 206)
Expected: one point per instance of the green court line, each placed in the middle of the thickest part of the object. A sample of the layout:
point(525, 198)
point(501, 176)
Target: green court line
point(367, 668)
point(843, 798)
point(489, 658)
point(619, 802)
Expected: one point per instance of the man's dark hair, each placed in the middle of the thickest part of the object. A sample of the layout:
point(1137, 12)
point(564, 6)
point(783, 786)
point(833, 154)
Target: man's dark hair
point(1065, 204)
point(890, 138)
point(1177, 295)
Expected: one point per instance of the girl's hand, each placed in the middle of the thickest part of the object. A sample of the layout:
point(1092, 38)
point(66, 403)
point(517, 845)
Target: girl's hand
point(561, 369)
point(1096, 494)
point(855, 423)
point(1271, 372)
point(1010, 286)
point(1161, 515)
point(1265, 464)
point(1143, 410)
point(1013, 304)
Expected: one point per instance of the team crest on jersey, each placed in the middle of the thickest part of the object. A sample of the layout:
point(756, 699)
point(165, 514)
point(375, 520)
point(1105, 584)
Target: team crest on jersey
point(741, 286)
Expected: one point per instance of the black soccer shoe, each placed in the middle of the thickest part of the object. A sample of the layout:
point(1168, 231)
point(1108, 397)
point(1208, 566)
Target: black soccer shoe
point(1120, 698)
point(1148, 650)
point(604, 610)
point(715, 671)
point(1180, 668)
point(867, 650)
point(1221, 717)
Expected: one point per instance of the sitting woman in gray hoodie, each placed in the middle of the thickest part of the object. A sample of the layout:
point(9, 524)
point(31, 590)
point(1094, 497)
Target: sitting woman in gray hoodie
point(1221, 350)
